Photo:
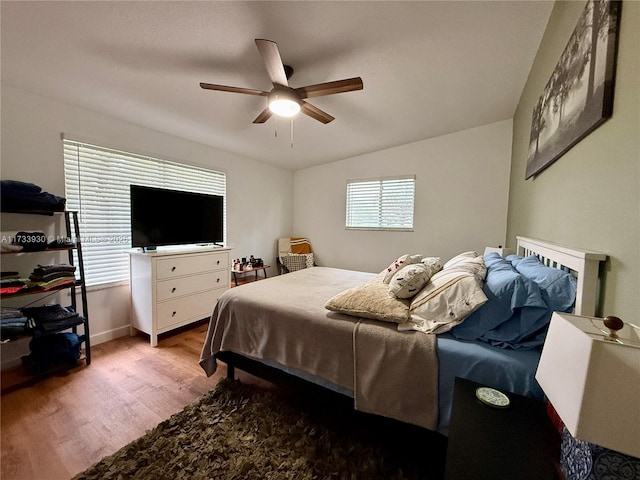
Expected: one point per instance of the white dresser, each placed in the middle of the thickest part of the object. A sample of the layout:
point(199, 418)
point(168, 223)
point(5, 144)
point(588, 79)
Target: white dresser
point(172, 288)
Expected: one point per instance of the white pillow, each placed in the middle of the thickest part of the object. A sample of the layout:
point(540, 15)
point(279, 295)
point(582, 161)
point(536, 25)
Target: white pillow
point(460, 258)
point(409, 280)
point(445, 303)
point(451, 295)
point(472, 265)
point(399, 263)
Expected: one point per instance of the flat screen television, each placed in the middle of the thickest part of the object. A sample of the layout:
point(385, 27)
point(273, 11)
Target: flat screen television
point(171, 217)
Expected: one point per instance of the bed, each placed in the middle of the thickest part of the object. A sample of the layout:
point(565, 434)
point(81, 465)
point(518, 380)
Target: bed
point(390, 363)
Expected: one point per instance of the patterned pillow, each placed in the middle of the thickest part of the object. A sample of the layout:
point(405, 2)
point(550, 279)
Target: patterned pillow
point(297, 261)
point(310, 260)
point(399, 263)
point(409, 281)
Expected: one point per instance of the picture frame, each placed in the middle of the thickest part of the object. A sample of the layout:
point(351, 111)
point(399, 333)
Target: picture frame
point(578, 97)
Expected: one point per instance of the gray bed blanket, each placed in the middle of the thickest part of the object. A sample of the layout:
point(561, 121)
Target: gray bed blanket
point(282, 321)
point(395, 374)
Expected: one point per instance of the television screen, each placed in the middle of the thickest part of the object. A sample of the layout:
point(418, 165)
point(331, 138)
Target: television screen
point(171, 217)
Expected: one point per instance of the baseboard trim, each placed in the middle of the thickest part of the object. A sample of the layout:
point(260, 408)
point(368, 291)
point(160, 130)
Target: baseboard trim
point(109, 335)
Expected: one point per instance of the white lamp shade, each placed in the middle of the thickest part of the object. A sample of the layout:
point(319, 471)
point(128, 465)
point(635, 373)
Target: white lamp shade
point(593, 384)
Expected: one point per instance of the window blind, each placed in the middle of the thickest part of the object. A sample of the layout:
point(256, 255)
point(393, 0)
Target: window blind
point(97, 183)
point(381, 204)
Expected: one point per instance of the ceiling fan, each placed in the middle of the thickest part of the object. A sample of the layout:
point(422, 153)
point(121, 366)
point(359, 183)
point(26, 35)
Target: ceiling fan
point(284, 100)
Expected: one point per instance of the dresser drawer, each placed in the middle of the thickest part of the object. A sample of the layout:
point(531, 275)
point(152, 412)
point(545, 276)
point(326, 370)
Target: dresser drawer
point(183, 309)
point(190, 264)
point(179, 287)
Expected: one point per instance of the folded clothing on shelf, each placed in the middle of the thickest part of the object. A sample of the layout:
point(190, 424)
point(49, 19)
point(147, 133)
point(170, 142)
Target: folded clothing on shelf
point(10, 312)
point(12, 285)
point(51, 284)
point(52, 269)
point(9, 275)
point(21, 196)
point(51, 318)
point(11, 328)
point(46, 277)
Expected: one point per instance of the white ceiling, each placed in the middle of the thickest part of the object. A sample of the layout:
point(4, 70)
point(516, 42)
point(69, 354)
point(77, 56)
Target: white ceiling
point(429, 68)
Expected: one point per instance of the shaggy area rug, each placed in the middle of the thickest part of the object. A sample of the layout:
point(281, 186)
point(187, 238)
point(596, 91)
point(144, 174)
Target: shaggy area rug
point(244, 432)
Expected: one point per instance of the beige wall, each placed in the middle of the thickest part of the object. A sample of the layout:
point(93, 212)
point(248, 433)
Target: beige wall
point(462, 182)
point(589, 198)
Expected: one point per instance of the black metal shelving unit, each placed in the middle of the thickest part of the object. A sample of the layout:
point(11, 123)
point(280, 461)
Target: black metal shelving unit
point(72, 227)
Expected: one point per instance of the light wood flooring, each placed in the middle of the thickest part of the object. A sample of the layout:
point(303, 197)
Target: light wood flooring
point(63, 424)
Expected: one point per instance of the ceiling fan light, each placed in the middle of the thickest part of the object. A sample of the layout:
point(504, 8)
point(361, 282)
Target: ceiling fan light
point(284, 107)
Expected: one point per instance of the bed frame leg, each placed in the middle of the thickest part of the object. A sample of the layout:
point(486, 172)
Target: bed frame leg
point(231, 372)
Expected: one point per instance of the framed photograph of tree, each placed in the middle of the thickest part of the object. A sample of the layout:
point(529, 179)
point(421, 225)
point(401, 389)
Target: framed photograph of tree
point(579, 95)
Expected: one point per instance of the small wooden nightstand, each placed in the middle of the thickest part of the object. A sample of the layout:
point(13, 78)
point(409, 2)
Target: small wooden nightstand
point(237, 272)
point(488, 443)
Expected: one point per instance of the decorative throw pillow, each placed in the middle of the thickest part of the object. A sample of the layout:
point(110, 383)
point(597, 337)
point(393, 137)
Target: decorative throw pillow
point(409, 280)
point(370, 300)
point(296, 261)
point(433, 264)
point(310, 260)
point(399, 263)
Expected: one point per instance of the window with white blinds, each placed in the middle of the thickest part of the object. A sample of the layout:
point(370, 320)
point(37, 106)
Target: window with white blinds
point(381, 204)
point(97, 183)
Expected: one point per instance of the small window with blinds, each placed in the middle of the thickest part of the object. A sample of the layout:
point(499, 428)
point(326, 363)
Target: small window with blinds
point(381, 204)
point(97, 183)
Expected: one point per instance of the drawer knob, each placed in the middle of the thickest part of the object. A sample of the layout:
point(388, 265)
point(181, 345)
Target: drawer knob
point(173, 289)
point(174, 313)
point(218, 262)
point(173, 269)
point(218, 280)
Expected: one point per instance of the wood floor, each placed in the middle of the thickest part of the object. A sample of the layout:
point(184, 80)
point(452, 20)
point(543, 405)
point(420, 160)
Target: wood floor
point(64, 424)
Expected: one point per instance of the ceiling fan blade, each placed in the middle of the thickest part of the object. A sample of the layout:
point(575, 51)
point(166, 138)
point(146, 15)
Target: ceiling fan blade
point(224, 88)
point(315, 113)
point(264, 116)
point(272, 61)
point(330, 88)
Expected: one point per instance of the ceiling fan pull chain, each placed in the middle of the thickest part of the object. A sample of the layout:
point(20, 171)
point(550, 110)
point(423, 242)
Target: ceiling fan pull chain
point(276, 133)
point(291, 132)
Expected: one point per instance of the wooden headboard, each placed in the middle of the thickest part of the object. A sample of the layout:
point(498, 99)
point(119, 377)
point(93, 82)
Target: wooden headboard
point(584, 264)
